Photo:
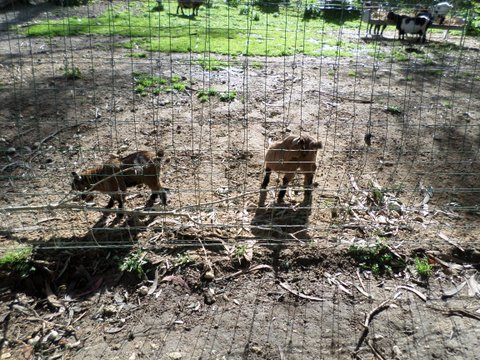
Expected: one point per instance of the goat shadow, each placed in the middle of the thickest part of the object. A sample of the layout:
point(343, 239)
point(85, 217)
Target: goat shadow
point(281, 221)
point(119, 230)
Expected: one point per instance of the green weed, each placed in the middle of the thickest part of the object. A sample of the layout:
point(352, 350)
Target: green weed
point(378, 258)
point(138, 55)
point(399, 56)
point(205, 95)
point(211, 64)
point(184, 259)
point(134, 263)
point(18, 261)
point(147, 83)
point(181, 34)
point(394, 110)
point(423, 267)
point(228, 96)
point(72, 73)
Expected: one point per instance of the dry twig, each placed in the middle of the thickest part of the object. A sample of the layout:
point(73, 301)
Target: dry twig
point(299, 294)
point(383, 306)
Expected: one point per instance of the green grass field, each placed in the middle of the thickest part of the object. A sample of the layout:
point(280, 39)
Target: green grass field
point(221, 29)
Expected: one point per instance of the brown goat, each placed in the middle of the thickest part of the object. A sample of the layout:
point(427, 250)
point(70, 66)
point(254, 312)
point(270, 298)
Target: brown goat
point(114, 177)
point(289, 155)
point(190, 4)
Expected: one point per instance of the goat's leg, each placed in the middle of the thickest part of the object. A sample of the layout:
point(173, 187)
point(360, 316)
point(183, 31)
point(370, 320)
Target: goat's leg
point(308, 187)
point(283, 189)
point(111, 202)
point(163, 198)
point(266, 179)
point(309, 173)
point(383, 29)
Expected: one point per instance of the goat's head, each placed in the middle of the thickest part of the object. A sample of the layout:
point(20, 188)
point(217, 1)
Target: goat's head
point(79, 183)
point(306, 143)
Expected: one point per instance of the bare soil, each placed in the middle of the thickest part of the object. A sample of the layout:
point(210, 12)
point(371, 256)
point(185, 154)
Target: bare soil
point(224, 278)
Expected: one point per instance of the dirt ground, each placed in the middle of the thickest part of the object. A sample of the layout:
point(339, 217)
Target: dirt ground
point(224, 278)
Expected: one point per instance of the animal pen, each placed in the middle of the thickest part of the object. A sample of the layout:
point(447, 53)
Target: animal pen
point(338, 274)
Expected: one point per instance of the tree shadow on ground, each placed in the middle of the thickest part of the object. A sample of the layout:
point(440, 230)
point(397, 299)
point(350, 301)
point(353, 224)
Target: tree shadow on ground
point(80, 266)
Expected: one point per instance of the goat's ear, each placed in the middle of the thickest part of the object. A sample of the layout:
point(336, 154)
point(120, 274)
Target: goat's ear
point(296, 141)
point(76, 176)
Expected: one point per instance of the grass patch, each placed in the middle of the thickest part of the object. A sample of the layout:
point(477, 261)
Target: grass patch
point(228, 32)
point(378, 259)
point(72, 73)
point(228, 96)
point(399, 56)
point(17, 261)
point(212, 64)
point(138, 55)
point(394, 110)
point(134, 263)
point(152, 84)
point(205, 95)
point(423, 267)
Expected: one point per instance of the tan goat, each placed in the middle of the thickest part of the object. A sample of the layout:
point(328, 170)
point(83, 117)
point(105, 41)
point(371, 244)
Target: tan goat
point(114, 177)
point(287, 157)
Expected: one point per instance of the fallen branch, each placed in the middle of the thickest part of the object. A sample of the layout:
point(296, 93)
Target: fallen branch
point(375, 351)
point(383, 306)
point(246, 271)
point(299, 294)
point(415, 291)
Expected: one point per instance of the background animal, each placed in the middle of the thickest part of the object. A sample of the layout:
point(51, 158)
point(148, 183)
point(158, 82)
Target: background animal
point(289, 155)
point(417, 25)
point(115, 176)
point(190, 4)
point(439, 11)
point(372, 15)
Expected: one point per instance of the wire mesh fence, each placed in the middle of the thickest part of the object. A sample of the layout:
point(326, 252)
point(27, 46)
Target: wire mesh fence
point(84, 85)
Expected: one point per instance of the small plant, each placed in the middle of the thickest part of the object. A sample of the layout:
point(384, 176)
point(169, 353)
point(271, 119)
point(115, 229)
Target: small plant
point(179, 86)
point(205, 95)
point(212, 64)
point(423, 267)
point(72, 73)
point(228, 96)
point(378, 258)
point(399, 56)
point(447, 104)
point(256, 16)
point(134, 263)
point(18, 261)
point(256, 65)
point(352, 73)
point(147, 83)
point(376, 195)
point(138, 55)
point(240, 251)
point(394, 110)
point(183, 259)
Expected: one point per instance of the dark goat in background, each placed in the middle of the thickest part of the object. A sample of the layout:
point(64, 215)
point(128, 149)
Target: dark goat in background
point(417, 25)
point(190, 4)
